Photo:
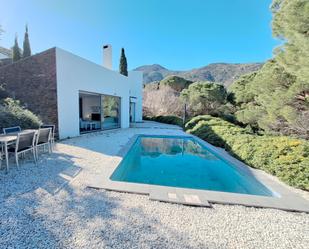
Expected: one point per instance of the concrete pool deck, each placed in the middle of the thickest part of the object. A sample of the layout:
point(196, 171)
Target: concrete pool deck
point(51, 205)
point(285, 198)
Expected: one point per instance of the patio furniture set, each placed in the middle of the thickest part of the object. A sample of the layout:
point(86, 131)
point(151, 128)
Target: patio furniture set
point(18, 142)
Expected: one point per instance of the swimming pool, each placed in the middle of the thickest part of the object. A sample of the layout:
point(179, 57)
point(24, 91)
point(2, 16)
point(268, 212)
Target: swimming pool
point(183, 162)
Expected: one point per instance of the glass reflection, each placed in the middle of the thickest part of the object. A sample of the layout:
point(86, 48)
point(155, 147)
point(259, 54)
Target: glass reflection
point(111, 112)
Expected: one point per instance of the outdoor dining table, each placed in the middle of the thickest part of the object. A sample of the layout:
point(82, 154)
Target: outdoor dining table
point(7, 139)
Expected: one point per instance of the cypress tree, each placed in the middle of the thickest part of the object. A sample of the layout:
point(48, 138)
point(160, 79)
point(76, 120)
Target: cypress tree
point(16, 50)
point(26, 45)
point(123, 67)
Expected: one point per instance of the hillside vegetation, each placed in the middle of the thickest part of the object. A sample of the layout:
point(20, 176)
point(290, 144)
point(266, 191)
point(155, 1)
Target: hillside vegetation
point(224, 73)
point(168, 96)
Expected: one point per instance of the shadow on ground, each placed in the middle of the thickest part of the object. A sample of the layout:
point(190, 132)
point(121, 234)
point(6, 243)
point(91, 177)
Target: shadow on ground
point(40, 208)
point(85, 218)
point(51, 173)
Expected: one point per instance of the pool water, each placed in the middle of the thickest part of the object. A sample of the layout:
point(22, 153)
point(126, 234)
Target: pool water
point(183, 162)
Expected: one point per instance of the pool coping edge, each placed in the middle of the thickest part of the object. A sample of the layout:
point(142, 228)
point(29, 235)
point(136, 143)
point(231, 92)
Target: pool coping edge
point(288, 200)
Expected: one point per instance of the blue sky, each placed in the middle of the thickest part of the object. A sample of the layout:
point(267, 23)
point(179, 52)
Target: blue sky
point(178, 34)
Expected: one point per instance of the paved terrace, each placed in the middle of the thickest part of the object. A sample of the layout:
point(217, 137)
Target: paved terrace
point(51, 206)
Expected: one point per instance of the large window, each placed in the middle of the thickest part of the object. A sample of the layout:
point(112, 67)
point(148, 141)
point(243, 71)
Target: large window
point(89, 112)
point(98, 111)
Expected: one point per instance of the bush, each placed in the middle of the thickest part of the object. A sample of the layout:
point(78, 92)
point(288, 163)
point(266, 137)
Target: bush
point(204, 97)
point(175, 82)
point(190, 124)
point(162, 101)
point(13, 114)
point(166, 119)
point(285, 157)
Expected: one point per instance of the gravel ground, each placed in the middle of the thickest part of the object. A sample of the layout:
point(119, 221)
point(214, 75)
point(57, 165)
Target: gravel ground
point(49, 206)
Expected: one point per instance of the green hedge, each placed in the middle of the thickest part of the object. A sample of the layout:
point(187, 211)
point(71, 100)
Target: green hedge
point(13, 114)
point(193, 122)
point(285, 157)
point(166, 119)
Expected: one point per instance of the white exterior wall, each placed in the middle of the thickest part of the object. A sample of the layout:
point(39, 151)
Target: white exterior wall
point(76, 74)
point(136, 90)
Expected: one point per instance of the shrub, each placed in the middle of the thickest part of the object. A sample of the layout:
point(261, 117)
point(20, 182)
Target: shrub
point(190, 124)
point(13, 114)
point(166, 119)
point(164, 101)
point(285, 157)
point(175, 82)
point(204, 97)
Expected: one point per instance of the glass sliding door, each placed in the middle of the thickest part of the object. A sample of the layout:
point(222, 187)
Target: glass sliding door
point(111, 112)
point(89, 111)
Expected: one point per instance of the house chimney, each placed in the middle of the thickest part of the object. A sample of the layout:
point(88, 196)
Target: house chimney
point(107, 56)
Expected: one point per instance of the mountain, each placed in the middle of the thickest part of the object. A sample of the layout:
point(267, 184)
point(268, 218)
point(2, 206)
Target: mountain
point(224, 73)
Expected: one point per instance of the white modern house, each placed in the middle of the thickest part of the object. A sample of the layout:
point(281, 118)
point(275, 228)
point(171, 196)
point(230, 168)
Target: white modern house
point(75, 94)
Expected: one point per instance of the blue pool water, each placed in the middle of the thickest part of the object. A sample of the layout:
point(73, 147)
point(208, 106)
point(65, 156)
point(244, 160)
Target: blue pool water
point(183, 162)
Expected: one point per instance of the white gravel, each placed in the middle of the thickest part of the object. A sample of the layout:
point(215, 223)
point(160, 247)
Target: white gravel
point(49, 206)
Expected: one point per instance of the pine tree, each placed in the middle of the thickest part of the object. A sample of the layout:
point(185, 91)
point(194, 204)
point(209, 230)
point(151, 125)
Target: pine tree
point(123, 67)
point(26, 45)
point(291, 24)
point(16, 50)
point(275, 98)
